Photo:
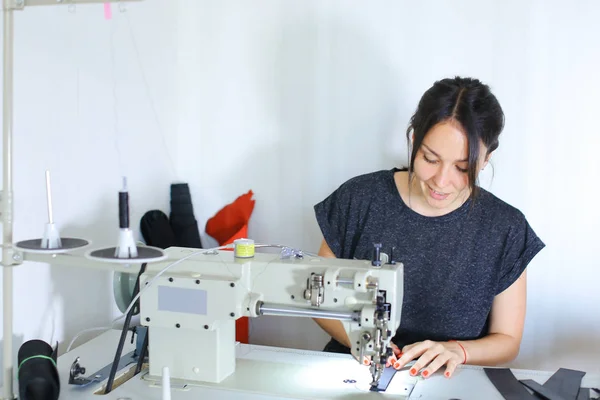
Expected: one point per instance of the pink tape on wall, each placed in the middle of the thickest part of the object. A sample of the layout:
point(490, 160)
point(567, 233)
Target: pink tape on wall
point(107, 11)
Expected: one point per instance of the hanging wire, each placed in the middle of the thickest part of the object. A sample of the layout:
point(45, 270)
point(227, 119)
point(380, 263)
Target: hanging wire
point(117, 134)
point(149, 96)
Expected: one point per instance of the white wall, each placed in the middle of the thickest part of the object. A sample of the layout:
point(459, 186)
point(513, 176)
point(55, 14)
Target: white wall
point(290, 99)
point(65, 121)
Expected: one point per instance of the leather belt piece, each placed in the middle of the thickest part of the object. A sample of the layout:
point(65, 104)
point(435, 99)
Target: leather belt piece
point(508, 385)
point(564, 384)
point(541, 390)
point(584, 394)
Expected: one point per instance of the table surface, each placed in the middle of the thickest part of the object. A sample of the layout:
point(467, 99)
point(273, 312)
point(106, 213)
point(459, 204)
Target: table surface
point(264, 372)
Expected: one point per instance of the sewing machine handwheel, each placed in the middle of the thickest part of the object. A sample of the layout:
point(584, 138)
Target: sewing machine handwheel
point(123, 285)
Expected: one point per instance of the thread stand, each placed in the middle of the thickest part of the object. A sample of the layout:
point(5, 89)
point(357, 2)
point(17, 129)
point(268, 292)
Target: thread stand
point(126, 252)
point(51, 242)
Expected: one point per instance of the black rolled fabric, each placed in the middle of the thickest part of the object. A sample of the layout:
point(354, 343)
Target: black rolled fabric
point(183, 222)
point(37, 373)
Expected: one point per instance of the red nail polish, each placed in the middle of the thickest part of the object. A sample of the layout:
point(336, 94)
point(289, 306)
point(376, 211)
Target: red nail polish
point(447, 374)
point(413, 371)
point(425, 373)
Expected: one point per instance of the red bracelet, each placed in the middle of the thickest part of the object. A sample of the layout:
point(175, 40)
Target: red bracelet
point(463, 349)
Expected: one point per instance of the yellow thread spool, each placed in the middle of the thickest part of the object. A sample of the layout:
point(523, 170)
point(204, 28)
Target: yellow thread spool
point(244, 248)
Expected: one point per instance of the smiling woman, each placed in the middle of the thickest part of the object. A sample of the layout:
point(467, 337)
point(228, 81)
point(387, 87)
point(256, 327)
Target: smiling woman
point(440, 182)
point(464, 250)
point(453, 134)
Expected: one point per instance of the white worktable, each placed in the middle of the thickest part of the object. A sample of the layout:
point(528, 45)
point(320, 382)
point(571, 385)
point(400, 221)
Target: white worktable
point(276, 373)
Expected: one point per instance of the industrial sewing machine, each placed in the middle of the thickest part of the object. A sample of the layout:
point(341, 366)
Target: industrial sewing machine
point(190, 302)
point(195, 304)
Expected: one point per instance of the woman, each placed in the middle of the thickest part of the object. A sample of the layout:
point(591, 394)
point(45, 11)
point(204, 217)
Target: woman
point(464, 250)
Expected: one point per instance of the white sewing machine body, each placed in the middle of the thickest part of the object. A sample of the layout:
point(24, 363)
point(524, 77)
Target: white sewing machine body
point(191, 309)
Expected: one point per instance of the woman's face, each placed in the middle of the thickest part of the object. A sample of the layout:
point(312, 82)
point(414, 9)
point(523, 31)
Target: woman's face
point(441, 167)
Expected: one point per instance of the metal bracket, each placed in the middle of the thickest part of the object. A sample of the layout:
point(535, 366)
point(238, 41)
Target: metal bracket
point(11, 257)
point(15, 256)
point(14, 4)
point(77, 370)
point(21, 4)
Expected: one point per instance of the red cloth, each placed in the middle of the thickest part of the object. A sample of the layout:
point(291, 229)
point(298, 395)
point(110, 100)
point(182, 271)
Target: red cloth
point(231, 222)
point(228, 224)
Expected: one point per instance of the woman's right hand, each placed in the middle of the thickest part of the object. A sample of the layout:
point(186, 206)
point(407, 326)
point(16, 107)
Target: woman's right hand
point(392, 360)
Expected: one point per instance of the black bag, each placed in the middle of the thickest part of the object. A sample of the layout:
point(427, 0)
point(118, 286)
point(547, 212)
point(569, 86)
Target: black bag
point(180, 230)
point(156, 230)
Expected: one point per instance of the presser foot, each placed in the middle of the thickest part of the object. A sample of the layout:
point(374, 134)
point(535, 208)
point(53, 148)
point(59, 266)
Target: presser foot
point(376, 372)
point(382, 378)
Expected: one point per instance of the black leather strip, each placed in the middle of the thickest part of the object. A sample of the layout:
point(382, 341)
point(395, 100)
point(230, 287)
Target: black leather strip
point(584, 394)
point(386, 377)
point(565, 382)
point(544, 392)
point(507, 384)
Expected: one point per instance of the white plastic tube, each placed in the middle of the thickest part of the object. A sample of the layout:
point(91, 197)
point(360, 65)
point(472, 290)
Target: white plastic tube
point(166, 384)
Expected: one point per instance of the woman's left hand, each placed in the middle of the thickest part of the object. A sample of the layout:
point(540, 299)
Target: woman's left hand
point(430, 356)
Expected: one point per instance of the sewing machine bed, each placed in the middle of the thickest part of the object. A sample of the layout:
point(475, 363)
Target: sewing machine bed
point(275, 373)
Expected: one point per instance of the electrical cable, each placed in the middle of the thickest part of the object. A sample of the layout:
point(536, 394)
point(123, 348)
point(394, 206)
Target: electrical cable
point(118, 353)
point(142, 355)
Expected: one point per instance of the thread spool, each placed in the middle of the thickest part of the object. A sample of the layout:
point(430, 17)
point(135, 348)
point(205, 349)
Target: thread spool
point(244, 248)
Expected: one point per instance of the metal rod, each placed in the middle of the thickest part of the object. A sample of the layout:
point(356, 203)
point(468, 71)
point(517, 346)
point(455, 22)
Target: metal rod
point(345, 281)
point(7, 292)
point(268, 309)
point(7, 205)
point(29, 3)
point(49, 197)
